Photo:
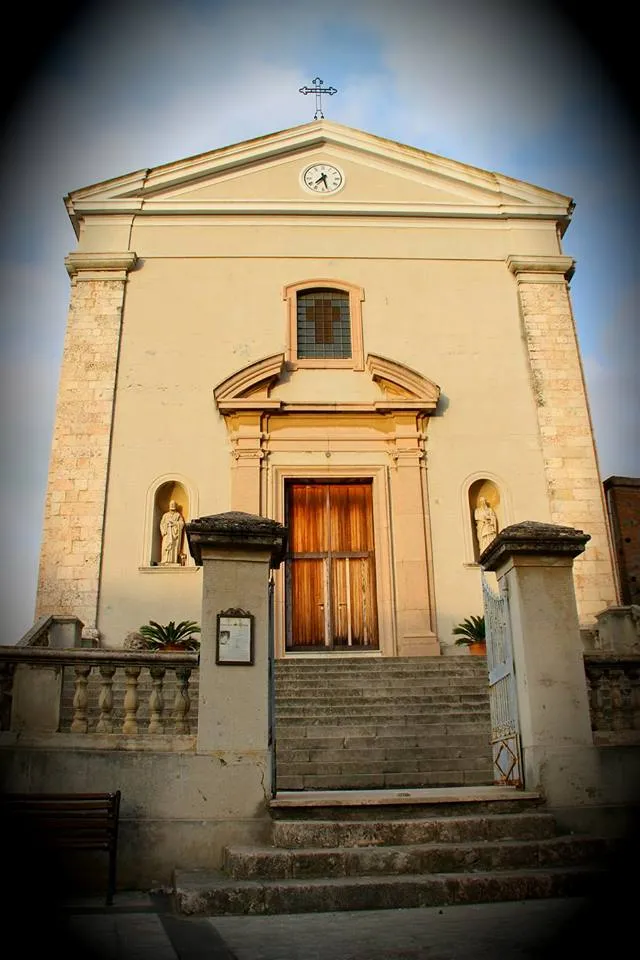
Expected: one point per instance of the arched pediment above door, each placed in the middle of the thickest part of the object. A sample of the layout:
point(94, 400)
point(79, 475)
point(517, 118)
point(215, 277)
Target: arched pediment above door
point(400, 388)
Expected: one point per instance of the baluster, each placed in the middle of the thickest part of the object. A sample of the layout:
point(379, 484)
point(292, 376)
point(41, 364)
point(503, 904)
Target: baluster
point(634, 680)
point(131, 704)
point(80, 722)
point(182, 703)
point(617, 680)
point(597, 717)
point(626, 696)
point(605, 699)
point(105, 698)
point(156, 699)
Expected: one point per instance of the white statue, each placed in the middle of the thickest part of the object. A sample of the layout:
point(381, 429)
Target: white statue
point(171, 527)
point(486, 523)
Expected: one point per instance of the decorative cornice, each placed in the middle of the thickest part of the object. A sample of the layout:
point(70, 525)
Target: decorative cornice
point(257, 378)
point(249, 390)
point(532, 538)
point(237, 529)
point(395, 378)
point(100, 262)
point(561, 267)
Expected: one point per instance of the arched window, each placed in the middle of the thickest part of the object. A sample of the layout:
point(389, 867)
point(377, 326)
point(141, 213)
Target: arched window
point(325, 324)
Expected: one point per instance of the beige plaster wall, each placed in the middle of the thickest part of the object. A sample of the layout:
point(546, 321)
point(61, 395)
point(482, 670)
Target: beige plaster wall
point(190, 322)
point(206, 299)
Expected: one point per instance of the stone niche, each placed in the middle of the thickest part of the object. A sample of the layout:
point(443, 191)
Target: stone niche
point(478, 489)
point(164, 494)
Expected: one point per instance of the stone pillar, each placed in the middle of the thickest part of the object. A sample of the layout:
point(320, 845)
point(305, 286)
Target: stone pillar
point(245, 431)
point(575, 492)
point(69, 574)
point(415, 628)
point(236, 551)
point(533, 562)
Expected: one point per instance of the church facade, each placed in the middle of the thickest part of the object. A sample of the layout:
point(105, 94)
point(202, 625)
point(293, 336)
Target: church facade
point(368, 343)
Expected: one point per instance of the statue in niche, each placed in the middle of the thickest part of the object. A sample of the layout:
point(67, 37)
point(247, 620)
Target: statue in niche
point(171, 527)
point(486, 523)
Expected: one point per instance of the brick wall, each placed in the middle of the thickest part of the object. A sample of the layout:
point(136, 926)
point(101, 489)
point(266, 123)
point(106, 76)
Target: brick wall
point(623, 505)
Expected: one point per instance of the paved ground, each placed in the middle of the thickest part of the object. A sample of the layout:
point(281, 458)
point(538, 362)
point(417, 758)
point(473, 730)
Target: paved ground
point(144, 927)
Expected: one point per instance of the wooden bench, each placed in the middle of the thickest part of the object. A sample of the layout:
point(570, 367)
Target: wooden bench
point(69, 821)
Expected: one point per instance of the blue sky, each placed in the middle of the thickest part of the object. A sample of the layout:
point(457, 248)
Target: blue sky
point(507, 87)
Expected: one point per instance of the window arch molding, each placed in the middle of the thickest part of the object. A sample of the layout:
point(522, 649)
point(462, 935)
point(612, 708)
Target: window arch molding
point(148, 558)
point(356, 297)
point(473, 484)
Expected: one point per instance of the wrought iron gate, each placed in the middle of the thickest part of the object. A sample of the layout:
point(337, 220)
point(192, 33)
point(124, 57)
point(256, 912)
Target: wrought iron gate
point(272, 684)
point(505, 727)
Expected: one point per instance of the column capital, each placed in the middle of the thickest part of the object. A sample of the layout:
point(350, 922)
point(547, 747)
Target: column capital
point(94, 266)
point(531, 538)
point(537, 269)
point(237, 529)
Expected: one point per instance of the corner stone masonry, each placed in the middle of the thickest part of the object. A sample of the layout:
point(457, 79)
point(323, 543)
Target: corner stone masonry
point(68, 580)
point(575, 492)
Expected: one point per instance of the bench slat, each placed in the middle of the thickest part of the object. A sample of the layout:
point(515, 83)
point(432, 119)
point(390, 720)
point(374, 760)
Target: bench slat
point(78, 821)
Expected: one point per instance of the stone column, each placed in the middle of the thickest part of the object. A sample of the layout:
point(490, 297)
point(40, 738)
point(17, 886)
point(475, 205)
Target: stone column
point(533, 563)
point(69, 574)
point(236, 551)
point(415, 628)
point(576, 496)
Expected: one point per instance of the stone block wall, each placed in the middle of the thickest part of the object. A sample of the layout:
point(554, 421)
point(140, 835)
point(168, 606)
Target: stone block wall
point(69, 570)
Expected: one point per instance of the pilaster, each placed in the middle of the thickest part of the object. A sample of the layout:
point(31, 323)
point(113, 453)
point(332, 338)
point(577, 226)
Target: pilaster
point(415, 628)
point(566, 436)
point(69, 574)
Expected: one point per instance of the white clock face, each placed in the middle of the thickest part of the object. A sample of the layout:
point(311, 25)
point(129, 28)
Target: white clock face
point(322, 178)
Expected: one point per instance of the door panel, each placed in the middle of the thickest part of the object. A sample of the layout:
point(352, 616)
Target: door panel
point(331, 598)
point(307, 592)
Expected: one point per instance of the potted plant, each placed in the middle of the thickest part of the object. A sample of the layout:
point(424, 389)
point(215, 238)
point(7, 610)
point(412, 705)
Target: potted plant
point(471, 633)
point(172, 636)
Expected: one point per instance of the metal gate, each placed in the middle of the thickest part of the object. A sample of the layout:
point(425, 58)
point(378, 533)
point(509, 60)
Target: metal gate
point(272, 684)
point(505, 726)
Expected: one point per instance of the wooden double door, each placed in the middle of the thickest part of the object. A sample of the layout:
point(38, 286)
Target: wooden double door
point(330, 568)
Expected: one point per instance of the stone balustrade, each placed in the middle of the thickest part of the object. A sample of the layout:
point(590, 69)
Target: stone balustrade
point(613, 682)
point(103, 694)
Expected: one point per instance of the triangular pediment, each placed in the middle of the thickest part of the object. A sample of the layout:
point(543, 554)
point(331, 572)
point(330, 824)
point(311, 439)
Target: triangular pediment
point(380, 177)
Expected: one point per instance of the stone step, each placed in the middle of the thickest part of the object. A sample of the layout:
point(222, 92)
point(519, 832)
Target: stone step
point(400, 708)
point(435, 746)
point(417, 686)
point(260, 863)
point(419, 804)
point(418, 829)
point(353, 762)
point(367, 700)
point(425, 728)
point(202, 892)
point(373, 780)
point(402, 754)
point(348, 669)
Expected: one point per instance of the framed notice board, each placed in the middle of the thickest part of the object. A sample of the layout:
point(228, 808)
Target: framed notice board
point(234, 638)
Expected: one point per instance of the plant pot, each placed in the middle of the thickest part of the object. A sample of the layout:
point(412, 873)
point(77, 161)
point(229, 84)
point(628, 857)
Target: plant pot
point(478, 649)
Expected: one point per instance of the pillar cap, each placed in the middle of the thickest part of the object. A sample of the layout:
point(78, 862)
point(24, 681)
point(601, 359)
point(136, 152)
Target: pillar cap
point(239, 530)
point(533, 538)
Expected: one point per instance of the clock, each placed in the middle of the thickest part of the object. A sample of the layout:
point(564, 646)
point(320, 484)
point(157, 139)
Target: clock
point(322, 178)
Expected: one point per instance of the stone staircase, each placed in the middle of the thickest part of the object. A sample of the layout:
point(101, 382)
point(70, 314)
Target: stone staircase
point(363, 723)
point(385, 800)
point(372, 850)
